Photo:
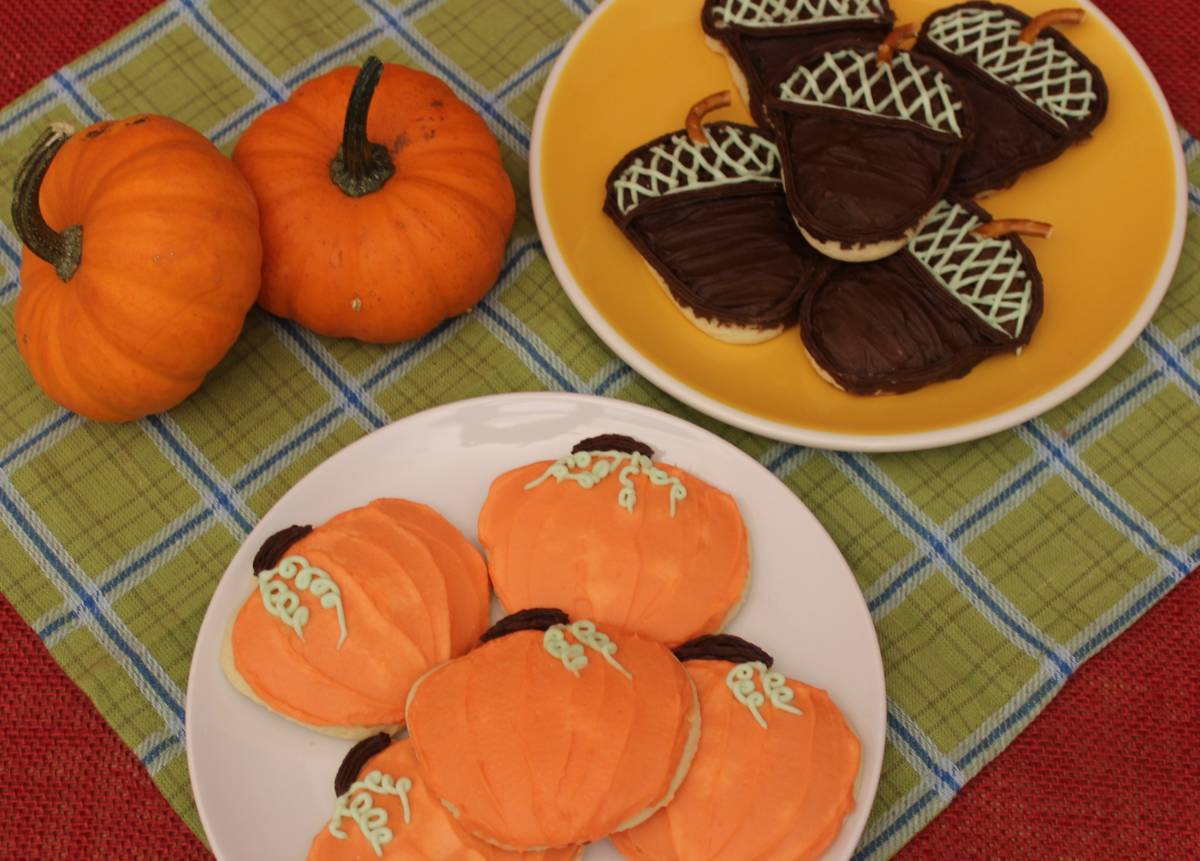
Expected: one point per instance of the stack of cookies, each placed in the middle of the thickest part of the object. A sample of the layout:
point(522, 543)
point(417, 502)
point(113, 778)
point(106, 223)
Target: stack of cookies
point(848, 209)
point(606, 703)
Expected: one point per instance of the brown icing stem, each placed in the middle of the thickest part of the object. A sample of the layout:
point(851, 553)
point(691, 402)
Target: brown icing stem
point(1049, 19)
point(1019, 226)
point(356, 758)
point(276, 546)
point(903, 34)
point(613, 442)
point(722, 647)
point(533, 619)
point(706, 105)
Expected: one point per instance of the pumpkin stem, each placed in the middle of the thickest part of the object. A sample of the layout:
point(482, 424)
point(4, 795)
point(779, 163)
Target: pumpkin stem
point(64, 250)
point(361, 167)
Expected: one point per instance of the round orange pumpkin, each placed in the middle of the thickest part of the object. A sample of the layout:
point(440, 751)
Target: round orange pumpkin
point(142, 257)
point(376, 227)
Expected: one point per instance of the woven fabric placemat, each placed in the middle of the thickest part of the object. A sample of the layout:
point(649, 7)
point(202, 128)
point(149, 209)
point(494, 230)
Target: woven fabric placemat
point(993, 569)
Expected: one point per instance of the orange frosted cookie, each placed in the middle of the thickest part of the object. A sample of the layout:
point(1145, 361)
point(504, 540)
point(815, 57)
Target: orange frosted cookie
point(345, 617)
point(384, 810)
point(774, 776)
point(554, 732)
point(607, 534)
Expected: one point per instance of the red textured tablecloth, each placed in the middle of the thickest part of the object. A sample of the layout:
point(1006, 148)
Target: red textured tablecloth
point(1088, 780)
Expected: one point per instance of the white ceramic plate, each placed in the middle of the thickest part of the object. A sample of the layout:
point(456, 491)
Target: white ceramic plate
point(264, 786)
point(812, 436)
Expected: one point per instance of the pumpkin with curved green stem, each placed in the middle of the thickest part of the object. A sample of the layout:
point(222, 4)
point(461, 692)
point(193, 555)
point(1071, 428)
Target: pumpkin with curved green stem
point(385, 208)
point(142, 257)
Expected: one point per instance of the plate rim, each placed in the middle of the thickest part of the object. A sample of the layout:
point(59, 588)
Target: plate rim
point(799, 434)
point(211, 626)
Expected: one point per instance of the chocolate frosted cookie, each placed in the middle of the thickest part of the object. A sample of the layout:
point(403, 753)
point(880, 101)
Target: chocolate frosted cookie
point(964, 289)
point(1034, 93)
point(705, 207)
point(759, 37)
point(869, 139)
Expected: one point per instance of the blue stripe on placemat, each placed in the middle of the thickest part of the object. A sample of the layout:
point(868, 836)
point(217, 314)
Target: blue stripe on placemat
point(233, 53)
point(80, 101)
point(943, 552)
point(132, 568)
point(923, 755)
point(867, 849)
point(521, 340)
point(1184, 374)
point(9, 251)
point(36, 104)
point(526, 74)
point(350, 47)
point(218, 493)
point(89, 604)
point(168, 17)
point(1056, 452)
point(479, 101)
point(288, 328)
point(58, 422)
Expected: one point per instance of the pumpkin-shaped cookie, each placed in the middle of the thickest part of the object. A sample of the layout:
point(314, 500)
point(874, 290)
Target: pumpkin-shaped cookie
point(1033, 92)
point(704, 206)
point(964, 289)
point(554, 732)
point(345, 617)
point(607, 533)
point(870, 137)
point(774, 775)
point(759, 37)
point(384, 809)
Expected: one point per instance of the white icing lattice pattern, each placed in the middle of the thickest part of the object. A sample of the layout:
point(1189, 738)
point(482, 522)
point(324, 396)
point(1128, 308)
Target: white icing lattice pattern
point(1042, 72)
point(733, 155)
point(788, 13)
point(855, 80)
point(987, 275)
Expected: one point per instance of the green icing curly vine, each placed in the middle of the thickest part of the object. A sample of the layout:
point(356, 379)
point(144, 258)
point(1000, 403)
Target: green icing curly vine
point(775, 690)
point(589, 468)
point(280, 601)
point(358, 805)
point(572, 655)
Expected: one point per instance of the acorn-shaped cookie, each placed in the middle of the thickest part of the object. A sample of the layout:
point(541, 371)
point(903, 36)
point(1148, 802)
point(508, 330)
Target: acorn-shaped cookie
point(705, 208)
point(610, 534)
point(869, 137)
point(759, 37)
point(345, 617)
point(555, 731)
point(1034, 94)
point(964, 289)
point(775, 772)
point(384, 809)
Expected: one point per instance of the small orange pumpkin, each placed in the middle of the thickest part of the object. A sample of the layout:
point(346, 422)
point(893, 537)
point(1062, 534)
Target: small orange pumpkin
point(142, 259)
point(376, 229)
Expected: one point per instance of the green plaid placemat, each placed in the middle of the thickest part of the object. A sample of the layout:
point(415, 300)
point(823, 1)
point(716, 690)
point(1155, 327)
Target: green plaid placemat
point(992, 569)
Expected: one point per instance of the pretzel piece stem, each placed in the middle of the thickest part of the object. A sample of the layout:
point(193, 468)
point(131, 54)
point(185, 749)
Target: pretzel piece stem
point(1049, 19)
point(706, 105)
point(903, 35)
point(1019, 226)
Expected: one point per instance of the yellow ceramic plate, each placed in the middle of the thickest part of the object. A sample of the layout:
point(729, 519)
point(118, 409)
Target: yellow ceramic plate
point(1118, 203)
